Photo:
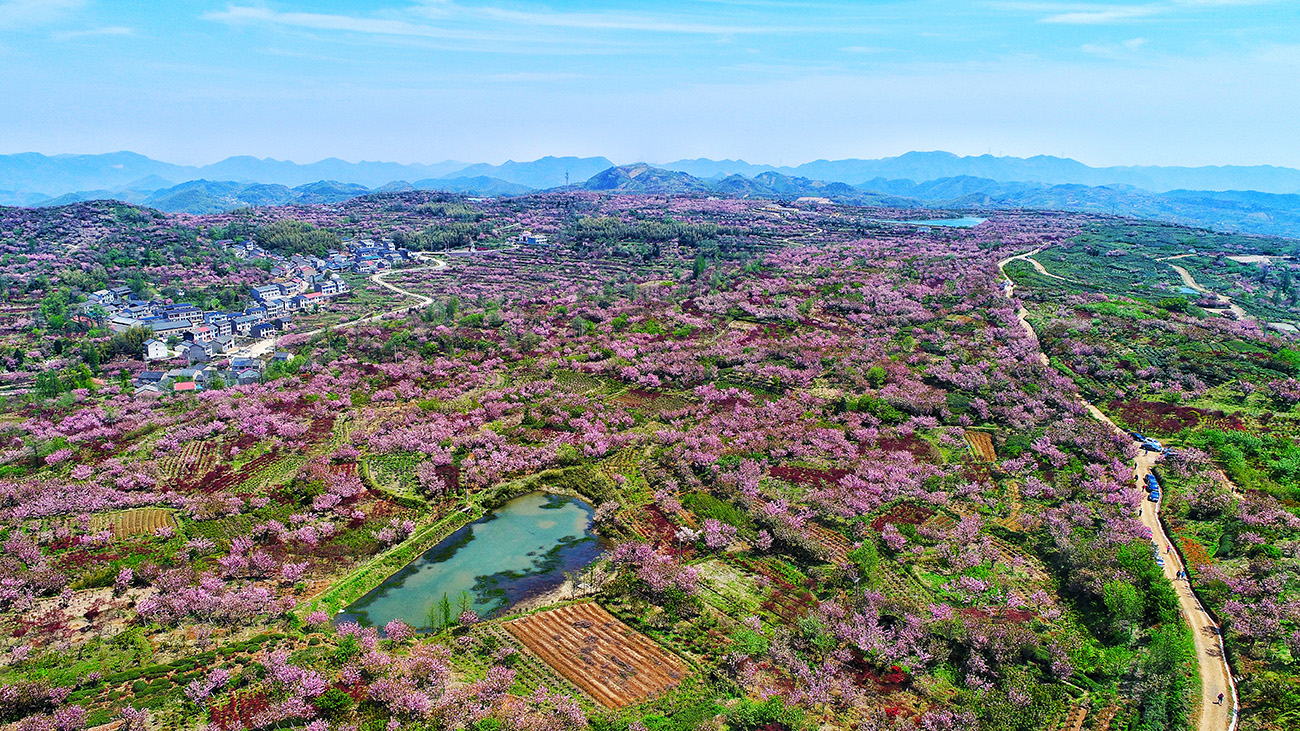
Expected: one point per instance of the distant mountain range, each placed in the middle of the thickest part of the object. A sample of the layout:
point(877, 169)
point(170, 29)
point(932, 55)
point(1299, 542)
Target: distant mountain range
point(1243, 211)
point(30, 174)
point(207, 196)
point(1257, 199)
point(926, 166)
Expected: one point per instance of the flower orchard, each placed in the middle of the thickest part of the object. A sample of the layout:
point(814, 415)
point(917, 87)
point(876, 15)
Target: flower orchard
point(769, 405)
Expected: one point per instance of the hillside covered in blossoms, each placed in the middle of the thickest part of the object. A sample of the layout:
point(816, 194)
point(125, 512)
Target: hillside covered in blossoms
point(627, 462)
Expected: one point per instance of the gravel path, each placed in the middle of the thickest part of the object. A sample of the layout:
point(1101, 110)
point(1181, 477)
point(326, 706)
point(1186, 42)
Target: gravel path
point(1216, 676)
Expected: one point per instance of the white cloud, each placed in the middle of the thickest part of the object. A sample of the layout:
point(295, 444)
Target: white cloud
point(1093, 14)
point(1114, 14)
point(616, 21)
point(1125, 49)
point(20, 14)
point(110, 30)
point(420, 21)
point(247, 15)
point(531, 77)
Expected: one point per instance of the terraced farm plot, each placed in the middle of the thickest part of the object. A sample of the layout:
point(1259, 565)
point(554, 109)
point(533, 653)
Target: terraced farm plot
point(124, 523)
point(834, 546)
point(608, 660)
point(982, 444)
point(395, 473)
point(651, 402)
point(729, 588)
point(191, 463)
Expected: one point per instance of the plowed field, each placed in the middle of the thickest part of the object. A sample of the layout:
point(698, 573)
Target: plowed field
point(141, 521)
point(610, 661)
point(982, 444)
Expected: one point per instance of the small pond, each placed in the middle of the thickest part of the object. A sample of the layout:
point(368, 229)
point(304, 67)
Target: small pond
point(517, 551)
point(963, 222)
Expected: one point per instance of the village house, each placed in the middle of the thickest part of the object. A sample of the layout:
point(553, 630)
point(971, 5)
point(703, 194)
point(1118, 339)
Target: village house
point(201, 334)
point(197, 352)
point(266, 291)
point(262, 330)
point(148, 377)
point(167, 328)
point(244, 323)
point(156, 350)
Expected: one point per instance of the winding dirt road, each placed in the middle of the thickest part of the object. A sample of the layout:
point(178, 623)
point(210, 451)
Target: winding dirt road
point(1216, 676)
point(1009, 287)
point(1223, 299)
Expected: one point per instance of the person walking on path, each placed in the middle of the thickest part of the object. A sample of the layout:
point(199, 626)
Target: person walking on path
point(1220, 699)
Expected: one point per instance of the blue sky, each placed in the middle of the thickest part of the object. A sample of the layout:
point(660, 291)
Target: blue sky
point(1111, 82)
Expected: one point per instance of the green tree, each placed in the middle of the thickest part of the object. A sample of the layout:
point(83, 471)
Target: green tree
point(1173, 304)
point(1124, 605)
point(333, 703)
point(296, 237)
point(866, 558)
point(876, 376)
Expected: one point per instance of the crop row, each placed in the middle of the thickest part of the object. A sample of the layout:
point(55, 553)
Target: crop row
point(141, 521)
point(609, 660)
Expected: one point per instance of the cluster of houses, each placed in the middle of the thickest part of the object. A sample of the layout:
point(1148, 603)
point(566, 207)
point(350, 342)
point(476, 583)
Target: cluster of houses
point(300, 283)
point(199, 335)
point(364, 256)
point(241, 372)
point(181, 330)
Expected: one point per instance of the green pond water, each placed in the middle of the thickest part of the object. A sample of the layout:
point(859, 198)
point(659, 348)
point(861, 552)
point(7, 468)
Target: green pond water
point(519, 550)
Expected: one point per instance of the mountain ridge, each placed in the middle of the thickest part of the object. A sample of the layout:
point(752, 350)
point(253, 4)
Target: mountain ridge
point(27, 176)
point(1243, 211)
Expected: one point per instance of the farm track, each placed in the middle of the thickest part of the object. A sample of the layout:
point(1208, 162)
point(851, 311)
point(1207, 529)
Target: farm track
point(1216, 675)
point(1223, 299)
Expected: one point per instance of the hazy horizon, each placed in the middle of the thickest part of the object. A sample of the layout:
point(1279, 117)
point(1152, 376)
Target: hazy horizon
point(1168, 82)
point(615, 161)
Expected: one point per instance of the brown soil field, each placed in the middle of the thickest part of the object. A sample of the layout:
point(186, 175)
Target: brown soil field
point(610, 661)
point(982, 444)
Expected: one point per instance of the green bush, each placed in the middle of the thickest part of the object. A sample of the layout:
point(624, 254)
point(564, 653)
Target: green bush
point(705, 505)
point(880, 409)
point(333, 703)
point(747, 714)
